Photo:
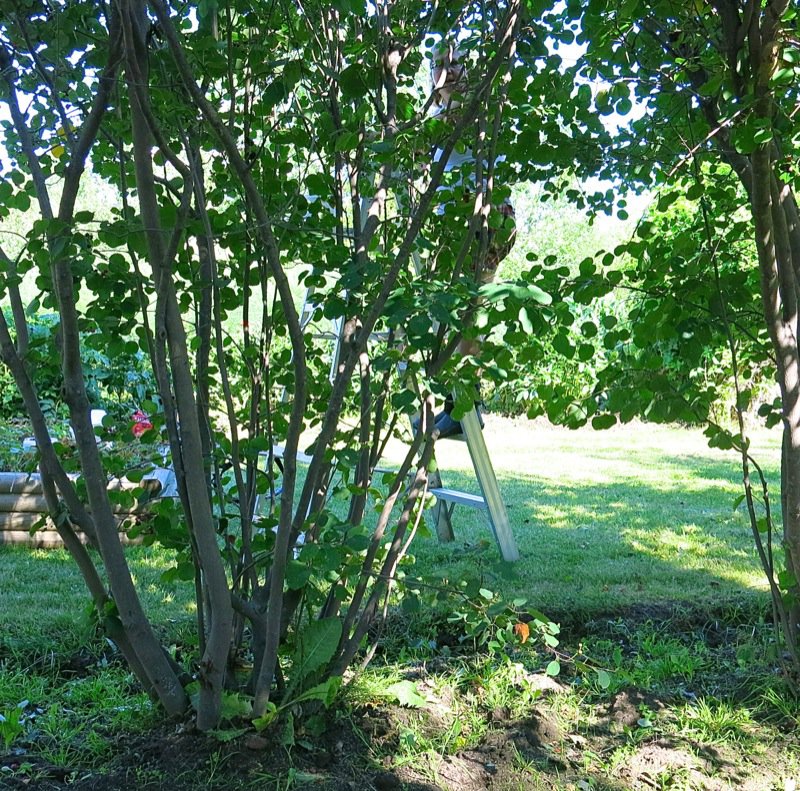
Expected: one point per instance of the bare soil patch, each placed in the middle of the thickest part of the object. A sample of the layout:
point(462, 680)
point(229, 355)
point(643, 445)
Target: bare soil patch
point(627, 739)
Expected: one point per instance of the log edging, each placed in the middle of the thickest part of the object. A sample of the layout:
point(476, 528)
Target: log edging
point(23, 506)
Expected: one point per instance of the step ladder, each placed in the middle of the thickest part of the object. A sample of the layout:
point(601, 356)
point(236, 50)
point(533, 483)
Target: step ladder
point(490, 502)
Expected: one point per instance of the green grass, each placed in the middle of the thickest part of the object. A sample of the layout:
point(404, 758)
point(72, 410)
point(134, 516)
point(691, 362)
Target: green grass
point(610, 526)
point(609, 519)
point(74, 721)
point(45, 607)
point(604, 520)
point(701, 715)
point(633, 515)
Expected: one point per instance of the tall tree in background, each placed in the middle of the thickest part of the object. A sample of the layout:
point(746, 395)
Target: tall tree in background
point(716, 85)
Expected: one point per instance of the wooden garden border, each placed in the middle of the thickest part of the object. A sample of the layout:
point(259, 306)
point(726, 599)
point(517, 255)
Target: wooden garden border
point(23, 506)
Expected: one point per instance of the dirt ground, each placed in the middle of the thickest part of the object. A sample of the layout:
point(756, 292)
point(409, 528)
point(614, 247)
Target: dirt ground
point(361, 749)
point(534, 752)
point(341, 761)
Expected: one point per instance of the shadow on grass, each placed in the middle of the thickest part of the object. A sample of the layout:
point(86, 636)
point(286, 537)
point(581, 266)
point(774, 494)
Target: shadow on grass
point(45, 605)
point(671, 535)
point(600, 526)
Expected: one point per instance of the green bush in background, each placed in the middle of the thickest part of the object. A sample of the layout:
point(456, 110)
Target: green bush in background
point(117, 373)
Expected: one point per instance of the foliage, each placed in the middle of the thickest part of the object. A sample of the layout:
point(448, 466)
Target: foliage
point(248, 153)
point(97, 723)
point(10, 726)
point(255, 149)
point(564, 354)
point(670, 360)
point(699, 104)
point(118, 377)
point(12, 454)
point(639, 556)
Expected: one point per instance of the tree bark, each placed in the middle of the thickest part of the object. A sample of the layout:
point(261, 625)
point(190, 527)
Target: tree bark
point(214, 660)
point(774, 231)
point(151, 658)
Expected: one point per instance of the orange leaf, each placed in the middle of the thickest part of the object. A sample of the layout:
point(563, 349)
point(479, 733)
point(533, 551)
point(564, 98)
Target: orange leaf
point(523, 631)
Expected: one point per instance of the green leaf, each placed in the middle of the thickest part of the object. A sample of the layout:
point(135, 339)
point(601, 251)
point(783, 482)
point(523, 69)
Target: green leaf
point(316, 646)
point(274, 94)
point(783, 75)
point(609, 322)
point(588, 329)
point(554, 668)
point(346, 141)
point(787, 580)
point(227, 734)
point(666, 200)
point(260, 723)
point(695, 191)
point(234, 705)
point(292, 72)
point(287, 737)
point(601, 422)
point(603, 679)
point(297, 575)
point(325, 692)
point(624, 106)
point(527, 292)
point(525, 321)
point(410, 604)
point(762, 136)
point(406, 694)
point(563, 346)
point(403, 400)
point(645, 229)
point(353, 81)
point(358, 542)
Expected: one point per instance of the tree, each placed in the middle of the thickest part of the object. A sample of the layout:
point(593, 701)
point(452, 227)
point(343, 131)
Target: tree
point(716, 85)
point(252, 148)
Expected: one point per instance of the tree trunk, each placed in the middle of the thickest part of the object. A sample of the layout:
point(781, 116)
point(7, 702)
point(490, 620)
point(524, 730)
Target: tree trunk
point(214, 660)
point(775, 230)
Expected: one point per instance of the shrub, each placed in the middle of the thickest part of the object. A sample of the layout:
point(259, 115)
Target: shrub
point(117, 373)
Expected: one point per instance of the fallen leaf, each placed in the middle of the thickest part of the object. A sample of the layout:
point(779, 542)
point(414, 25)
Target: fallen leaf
point(523, 631)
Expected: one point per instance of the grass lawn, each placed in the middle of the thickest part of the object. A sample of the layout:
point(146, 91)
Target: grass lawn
point(603, 520)
point(627, 536)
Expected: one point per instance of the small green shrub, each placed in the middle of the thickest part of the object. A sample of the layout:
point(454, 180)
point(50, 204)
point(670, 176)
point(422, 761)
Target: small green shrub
point(117, 373)
point(10, 726)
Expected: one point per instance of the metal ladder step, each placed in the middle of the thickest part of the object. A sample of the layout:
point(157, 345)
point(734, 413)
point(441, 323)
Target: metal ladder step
point(459, 498)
